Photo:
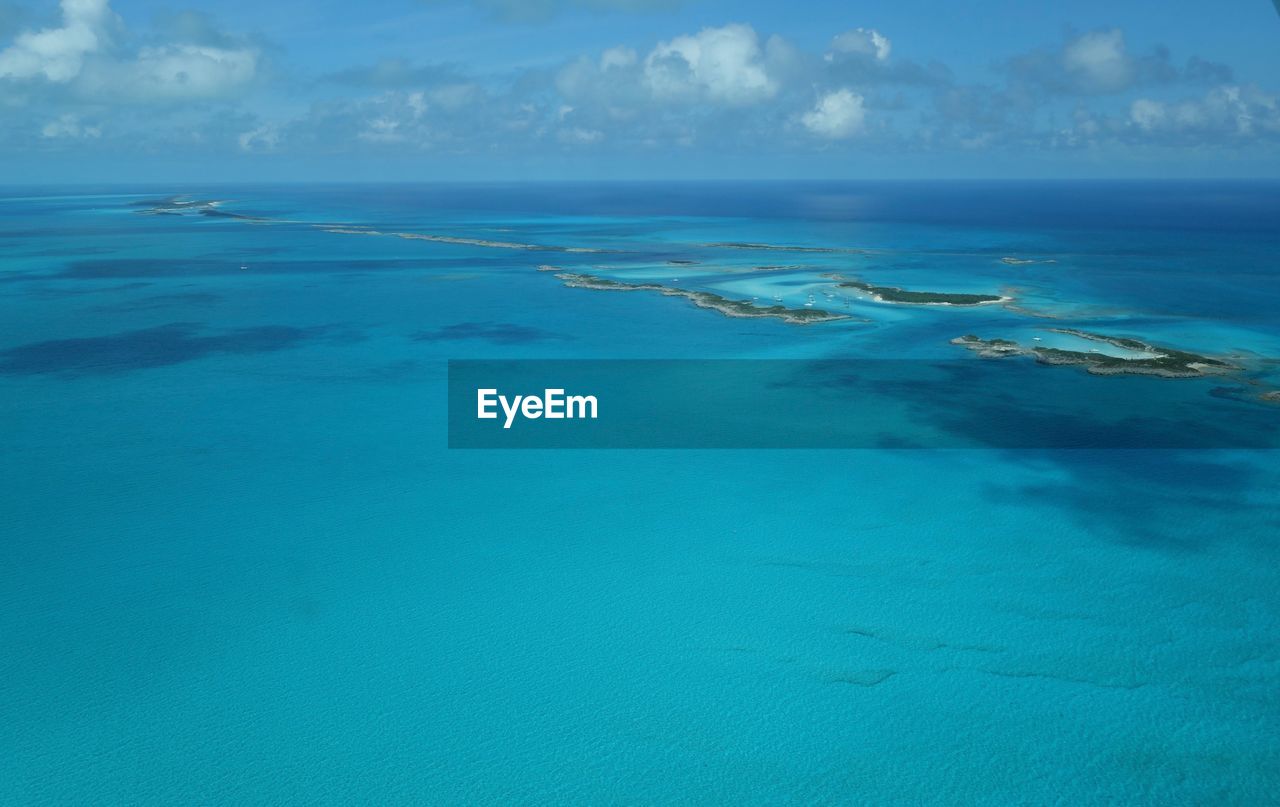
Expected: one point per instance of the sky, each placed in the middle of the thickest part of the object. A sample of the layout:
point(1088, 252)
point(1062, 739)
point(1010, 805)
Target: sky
point(281, 90)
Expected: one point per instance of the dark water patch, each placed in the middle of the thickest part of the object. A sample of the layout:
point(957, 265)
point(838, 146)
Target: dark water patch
point(921, 643)
point(58, 292)
point(865, 678)
point(890, 441)
point(161, 346)
point(1120, 682)
point(1130, 459)
point(1235, 393)
point(63, 252)
point(502, 333)
point(207, 267)
point(160, 301)
point(150, 203)
point(246, 251)
point(394, 372)
point(1140, 497)
point(36, 234)
point(1017, 405)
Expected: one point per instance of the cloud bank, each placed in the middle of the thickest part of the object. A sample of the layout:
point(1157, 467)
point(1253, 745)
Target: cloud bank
point(90, 80)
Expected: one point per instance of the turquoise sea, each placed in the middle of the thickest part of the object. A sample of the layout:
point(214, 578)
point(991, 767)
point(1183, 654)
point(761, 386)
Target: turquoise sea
point(239, 564)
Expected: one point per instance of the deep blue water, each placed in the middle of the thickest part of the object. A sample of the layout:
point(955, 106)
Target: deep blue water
point(239, 565)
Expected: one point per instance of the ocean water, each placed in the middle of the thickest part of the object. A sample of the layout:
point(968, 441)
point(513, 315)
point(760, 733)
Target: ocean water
point(239, 564)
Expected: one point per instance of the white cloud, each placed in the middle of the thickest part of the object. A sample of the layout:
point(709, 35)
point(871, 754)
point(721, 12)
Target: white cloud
point(1100, 59)
point(618, 57)
point(1100, 62)
point(382, 130)
point(449, 96)
point(579, 136)
point(58, 54)
point(1227, 110)
point(180, 72)
point(77, 54)
point(394, 117)
point(720, 89)
point(68, 126)
point(837, 115)
point(721, 64)
point(1147, 114)
point(861, 42)
point(263, 138)
point(417, 104)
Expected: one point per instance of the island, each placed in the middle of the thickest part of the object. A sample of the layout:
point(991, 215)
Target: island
point(181, 206)
point(703, 299)
point(773, 247)
point(355, 229)
point(893, 294)
point(1011, 261)
point(484, 242)
point(1148, 359)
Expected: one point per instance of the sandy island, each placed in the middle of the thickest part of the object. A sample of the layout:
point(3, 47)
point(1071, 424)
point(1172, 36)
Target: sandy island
point(770, 247)
point(453, 239)
point(1165, 363)
point(1011, 261)
point(178, 206)
point(703, 299)
point(893, 294)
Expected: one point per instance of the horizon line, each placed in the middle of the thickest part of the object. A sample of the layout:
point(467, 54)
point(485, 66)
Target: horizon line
point(647, 181)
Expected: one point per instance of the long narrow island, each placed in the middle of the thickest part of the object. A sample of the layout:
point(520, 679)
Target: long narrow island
point(703, 299)
point(893, 294)
point(1135, 357)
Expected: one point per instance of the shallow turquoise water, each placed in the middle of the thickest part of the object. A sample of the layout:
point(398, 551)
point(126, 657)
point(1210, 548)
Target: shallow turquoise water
point(238, 564)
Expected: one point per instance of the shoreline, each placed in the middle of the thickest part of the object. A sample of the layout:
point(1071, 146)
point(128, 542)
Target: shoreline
point(738, 309)
point(893, 295)
point(1164, 363)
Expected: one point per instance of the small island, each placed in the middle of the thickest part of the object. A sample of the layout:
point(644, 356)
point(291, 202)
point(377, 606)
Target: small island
point(484, 242)
point(181, 206)
point(356, 229)
point(703, 299)
point(893, 294)
point(1012, 261)
point(1148, 359)
point(771, 247)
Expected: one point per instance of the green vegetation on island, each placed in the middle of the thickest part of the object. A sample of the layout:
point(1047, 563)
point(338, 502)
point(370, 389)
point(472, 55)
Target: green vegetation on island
point(355, 229)
point(772, 247)
point(1012, 261)
point(893, 294)
point(1158, 361)
point(704, 299)
point(181, 206)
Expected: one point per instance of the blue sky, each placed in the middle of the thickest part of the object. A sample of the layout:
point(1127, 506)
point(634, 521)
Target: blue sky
point(116, 90)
